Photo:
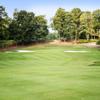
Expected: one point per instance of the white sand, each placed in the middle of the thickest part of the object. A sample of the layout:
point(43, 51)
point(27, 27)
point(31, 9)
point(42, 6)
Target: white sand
point(75, 51)
point(19, 51)
point(24, 51)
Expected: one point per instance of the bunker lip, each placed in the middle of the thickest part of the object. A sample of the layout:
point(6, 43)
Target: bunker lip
point(20, 51)
point(24, 51)
point(75, 51)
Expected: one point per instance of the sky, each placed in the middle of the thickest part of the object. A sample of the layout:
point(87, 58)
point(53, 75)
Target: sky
point(48, 7)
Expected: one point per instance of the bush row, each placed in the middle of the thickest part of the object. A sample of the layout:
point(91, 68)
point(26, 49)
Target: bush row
point(6, 43)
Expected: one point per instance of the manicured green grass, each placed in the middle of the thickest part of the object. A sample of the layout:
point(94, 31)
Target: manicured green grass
point(50, 74)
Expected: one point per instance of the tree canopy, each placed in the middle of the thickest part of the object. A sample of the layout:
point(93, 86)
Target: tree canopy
point(25, 27)
point(76, 24)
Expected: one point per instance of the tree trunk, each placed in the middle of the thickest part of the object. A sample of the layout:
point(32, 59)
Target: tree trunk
point(76, 37)
point(87, 36)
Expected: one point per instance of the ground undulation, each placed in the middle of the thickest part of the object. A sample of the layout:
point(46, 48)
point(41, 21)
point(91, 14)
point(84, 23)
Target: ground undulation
point(49, 73)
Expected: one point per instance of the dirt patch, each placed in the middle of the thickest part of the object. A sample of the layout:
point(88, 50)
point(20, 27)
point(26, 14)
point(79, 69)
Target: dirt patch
point(58, 42)
point(91, 45)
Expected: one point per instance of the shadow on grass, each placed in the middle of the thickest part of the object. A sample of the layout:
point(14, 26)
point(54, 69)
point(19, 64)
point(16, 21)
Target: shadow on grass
point(96, 63)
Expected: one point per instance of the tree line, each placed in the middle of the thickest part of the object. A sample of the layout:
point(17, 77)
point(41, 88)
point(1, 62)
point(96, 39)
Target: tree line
point(25, 27)
point(76, 24)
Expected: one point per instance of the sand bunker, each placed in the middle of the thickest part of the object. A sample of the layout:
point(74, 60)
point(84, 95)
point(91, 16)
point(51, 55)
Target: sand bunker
point(75, 51)
point(24, 51)
point(20, 51)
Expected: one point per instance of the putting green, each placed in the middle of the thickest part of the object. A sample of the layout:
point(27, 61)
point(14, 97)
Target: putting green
point(49, 73)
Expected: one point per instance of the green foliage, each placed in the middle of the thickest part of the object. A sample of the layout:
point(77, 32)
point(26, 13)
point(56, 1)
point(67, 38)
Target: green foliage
point(6, 43)
point(87, 41)
point(52, 36)
point(67, 23)
point(63, 23)
point(59, 21)
point(86, 24)
point(96, 21)
point(76, 13)
point(76, 24)
point(4, 22)
point(83, 41)
point(21, 27)
point(98, 42)
point(27, 28)
point(41, 28)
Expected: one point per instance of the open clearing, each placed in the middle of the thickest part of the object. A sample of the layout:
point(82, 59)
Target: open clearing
point(50, 74)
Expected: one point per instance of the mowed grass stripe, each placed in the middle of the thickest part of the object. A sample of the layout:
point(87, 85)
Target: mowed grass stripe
point(50, 74)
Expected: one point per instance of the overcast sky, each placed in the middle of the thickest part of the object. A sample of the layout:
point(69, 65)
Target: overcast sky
point(48, 7)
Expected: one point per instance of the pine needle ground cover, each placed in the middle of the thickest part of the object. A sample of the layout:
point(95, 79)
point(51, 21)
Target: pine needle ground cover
point(49, 73)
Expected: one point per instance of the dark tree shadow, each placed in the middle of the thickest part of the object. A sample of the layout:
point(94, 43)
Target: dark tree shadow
point(96, 63)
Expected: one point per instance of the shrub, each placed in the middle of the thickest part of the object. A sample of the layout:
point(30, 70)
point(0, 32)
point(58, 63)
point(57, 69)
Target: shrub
point(52, 36)
point(98, 42)
point(87, 41)
point(6, 43)
point(83, 41)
